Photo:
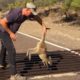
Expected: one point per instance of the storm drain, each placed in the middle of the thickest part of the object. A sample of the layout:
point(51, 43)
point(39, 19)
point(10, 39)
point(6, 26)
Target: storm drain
point(63, 61)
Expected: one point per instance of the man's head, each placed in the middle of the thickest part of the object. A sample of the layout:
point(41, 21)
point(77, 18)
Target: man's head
point(30, 8)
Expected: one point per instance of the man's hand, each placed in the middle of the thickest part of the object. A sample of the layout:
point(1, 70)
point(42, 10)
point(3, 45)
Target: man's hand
point(3, 22)
point(13, 36)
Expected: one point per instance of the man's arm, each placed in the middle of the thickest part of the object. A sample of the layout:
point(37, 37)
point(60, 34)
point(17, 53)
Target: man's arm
point(3, 22)
point(40, 21)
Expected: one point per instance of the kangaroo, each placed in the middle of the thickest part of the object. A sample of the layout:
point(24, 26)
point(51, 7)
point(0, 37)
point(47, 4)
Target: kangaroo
point(40, 49)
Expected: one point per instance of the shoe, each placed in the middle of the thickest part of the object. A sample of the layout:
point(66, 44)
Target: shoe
point(18, 77)
point(4, 66)
point(1, 66)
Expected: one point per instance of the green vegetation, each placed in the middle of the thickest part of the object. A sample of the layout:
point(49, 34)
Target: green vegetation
point(67, 4)
point(39, 3)
point(16, 4)
point(76, 4)
point(71, 4)
point(43, 3)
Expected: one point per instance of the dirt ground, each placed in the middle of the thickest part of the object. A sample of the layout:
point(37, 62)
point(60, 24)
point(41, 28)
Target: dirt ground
point(60, 33)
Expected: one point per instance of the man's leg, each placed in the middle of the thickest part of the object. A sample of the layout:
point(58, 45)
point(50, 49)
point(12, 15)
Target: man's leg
point(12, 58)
point(3, 49)
point(11, 53)
point(2, 56)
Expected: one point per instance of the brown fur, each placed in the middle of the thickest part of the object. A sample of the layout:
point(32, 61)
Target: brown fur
point(40, 49)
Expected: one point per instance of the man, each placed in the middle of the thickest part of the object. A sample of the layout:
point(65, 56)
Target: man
point(9, 25)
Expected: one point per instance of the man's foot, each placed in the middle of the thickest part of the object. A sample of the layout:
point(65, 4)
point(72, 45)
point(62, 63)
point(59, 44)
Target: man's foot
point(17, 77)
point(4, 66)
point(1, 66)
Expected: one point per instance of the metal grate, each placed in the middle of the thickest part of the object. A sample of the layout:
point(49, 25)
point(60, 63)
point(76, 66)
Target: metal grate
point(62, 62)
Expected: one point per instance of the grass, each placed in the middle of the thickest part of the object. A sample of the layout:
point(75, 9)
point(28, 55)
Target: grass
point(76, 4)
point(43, 3)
